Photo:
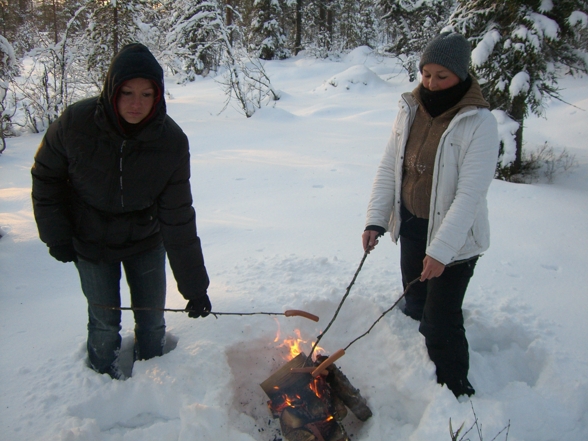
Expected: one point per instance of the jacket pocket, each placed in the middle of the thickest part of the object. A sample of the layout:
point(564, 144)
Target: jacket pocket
point(145, 224)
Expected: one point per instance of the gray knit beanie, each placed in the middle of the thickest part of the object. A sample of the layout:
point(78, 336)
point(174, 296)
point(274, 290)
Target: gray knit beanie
point(450, 50)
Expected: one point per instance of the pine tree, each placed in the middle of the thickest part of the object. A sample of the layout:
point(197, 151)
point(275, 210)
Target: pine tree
point(111, 25)
point(50, 17)
point(8, 70)
point(194, 34)
point(318, 18)
point(411, 25)
point(518, 49)
point(267, 37)
point(356, 24)
point(13, 15)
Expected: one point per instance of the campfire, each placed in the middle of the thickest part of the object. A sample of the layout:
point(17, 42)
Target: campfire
point(312, 398)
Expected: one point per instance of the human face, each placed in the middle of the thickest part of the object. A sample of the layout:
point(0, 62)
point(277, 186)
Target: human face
point(135, 100)
point(437, 77)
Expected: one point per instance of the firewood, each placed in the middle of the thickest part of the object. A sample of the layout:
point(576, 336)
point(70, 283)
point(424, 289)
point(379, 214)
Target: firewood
point(317, 409)
point(341, 386)
point(339, 408)
point(300, 435)
point(283, 379)
point(291, 419)
point(339, 434)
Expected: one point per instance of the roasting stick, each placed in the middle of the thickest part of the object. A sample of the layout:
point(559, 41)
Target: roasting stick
point(318, 339)
point(408, 286)
point(321, 369)
point(287, 313)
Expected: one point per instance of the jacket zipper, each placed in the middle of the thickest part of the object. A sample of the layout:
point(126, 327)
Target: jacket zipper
point(122, 201)
point(452, 124)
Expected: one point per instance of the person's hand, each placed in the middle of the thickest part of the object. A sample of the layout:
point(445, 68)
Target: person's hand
point(369, 239)
point(199, 307)
point(431, 268)
point(64, 253)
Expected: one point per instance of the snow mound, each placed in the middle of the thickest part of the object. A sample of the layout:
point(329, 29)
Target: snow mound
point(358, 55)
point(273, 113)
point(356, 78)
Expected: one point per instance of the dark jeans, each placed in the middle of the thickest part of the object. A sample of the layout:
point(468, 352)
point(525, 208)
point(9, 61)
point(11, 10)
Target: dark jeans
point(437, 304)
point(145, 274)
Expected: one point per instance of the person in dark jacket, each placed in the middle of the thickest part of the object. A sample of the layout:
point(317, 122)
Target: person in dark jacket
point(111, 186)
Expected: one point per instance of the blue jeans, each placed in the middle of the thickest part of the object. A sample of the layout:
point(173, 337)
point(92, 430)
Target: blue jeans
point(145, 274)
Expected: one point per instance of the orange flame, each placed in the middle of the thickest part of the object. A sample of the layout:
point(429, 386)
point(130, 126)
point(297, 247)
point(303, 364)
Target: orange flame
point(315, 386)
point(294, 344)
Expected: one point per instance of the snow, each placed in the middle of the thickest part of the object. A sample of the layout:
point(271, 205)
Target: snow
point(546, 5)
point(578, 18)
point(507, 129)
point(484, 49)
point(520, 83)
point(545, 26)
point(281, 201)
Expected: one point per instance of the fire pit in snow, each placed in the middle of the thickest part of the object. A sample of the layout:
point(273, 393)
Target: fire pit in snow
point(311, 399)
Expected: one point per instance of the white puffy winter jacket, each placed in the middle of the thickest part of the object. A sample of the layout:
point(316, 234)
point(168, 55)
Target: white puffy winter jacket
point(464, 168)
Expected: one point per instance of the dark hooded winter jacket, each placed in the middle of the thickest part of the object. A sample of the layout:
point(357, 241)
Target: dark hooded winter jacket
point(114, 192)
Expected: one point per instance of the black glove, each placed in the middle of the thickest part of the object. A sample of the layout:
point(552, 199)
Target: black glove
point(199, 307)
point(64, 253)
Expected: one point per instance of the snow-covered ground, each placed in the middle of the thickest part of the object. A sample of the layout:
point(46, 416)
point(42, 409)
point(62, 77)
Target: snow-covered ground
point(281, 200)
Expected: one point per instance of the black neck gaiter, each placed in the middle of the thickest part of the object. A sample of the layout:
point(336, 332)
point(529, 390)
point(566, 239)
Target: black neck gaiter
point(128, 128)
point(439, 101)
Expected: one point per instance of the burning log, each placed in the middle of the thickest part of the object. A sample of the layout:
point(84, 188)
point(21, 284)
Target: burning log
point(311, 408)
point(341, 387)
point(339, 408)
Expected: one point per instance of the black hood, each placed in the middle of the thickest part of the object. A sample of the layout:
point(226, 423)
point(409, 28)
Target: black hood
point(133, 61)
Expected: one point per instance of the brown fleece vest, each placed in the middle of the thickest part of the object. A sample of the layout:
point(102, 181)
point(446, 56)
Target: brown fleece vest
point(421, 149)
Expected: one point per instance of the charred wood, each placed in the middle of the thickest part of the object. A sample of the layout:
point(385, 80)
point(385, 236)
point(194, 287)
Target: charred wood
point(343, 388)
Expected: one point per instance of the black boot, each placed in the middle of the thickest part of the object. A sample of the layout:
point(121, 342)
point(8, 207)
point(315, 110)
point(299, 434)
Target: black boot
point(460, 387)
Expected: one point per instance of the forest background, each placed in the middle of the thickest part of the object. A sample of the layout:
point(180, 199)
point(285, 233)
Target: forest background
point(55, 52)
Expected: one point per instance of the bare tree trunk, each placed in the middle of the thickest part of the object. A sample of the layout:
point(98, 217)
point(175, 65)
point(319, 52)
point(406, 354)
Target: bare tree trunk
point(518, 114)
point(229, 18)
point(115, 30)
point(298, 40)
point(330, 20)
point(55, 30)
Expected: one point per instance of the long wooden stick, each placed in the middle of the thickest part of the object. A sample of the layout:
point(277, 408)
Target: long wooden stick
point(318, 339)
point(459, 262)
point(385, 312)
point(288, 313)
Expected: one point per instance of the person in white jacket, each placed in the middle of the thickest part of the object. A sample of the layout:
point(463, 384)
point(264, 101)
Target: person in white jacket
point(430, 191)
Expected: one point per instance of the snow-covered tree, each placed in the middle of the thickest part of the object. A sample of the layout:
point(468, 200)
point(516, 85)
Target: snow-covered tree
point(51, 16)
point(411, 25)
point(12, 17)
point(266, 35)
point(318, 18)
point(8, 70)
point(194, 36)
point(56, 75)
point(356, 24)
point(111, 25)
point(519, 51)
point(244, 79)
